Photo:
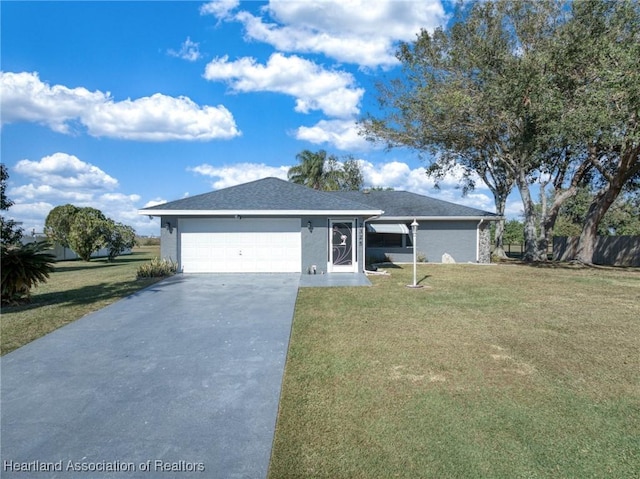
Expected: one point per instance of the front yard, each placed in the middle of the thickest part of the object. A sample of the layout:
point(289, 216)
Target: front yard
point(490, 371)
point(73, 290)
point(493, 371)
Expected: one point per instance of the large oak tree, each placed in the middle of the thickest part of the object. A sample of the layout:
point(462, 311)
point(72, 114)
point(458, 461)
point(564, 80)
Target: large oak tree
point(524, 93)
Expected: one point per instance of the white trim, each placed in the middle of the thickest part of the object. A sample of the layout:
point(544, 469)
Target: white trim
point(440, 218)
point(232, 213)
point(364, 241)
point(353, 268)
point(391, 228)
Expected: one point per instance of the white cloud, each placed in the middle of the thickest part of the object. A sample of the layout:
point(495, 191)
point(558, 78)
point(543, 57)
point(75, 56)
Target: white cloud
point(514, 209)
point(154, 202)
point(355, 31)
point(64, 171)
point(40, 192)
point(342, 134)
point(31, 215)
point(189, 50)
point(314, 88)
point(62, 178)
point(160, 118)
point(399, 176)
point(232, 175)
point(26, 98)
point(221, 9)
point(120, 198)
point(156, 118)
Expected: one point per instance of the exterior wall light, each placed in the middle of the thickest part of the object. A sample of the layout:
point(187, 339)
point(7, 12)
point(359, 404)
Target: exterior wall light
point(310, 226)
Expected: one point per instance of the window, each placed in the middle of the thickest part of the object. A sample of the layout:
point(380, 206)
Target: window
point(388, 240)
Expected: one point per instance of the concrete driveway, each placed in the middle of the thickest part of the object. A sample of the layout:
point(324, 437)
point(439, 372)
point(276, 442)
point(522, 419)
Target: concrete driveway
point(179, 380)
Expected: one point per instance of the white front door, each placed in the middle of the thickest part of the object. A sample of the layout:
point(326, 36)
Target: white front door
point(342, 246)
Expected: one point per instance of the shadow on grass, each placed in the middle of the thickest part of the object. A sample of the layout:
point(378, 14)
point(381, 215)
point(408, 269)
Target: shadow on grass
point(573, 266)
point(423, 278)
point(79, 265)
point(87, 295)
point(387, 265)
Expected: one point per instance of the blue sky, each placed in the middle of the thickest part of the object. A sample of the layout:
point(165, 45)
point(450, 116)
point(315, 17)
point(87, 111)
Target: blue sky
point(122, 105)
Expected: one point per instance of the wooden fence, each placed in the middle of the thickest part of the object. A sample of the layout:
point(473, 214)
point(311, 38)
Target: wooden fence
point(516, 250)
point(609, 250)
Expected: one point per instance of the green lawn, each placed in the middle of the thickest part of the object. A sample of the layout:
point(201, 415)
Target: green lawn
point(74, 289)
point(506, 371)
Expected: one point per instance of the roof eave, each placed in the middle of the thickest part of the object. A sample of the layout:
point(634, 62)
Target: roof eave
point(440, 218)
point(171, 212)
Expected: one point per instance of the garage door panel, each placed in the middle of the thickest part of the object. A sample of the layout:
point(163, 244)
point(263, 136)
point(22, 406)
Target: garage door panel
point(247, 245)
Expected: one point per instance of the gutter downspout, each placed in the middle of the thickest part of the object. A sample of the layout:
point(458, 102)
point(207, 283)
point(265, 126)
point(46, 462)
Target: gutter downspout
point(364, 241)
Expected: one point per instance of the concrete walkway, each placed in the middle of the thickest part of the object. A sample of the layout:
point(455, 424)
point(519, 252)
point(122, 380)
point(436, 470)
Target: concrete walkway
point(333, 280)
point(179, 380)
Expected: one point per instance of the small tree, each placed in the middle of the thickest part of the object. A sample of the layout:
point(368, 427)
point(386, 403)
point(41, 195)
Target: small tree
point(87, 232)
point(353, 179)
point(57, 226)
point(119, 238)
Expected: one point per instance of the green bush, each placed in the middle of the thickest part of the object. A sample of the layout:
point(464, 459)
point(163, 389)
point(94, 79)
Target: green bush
point(157, 268)
point(23, 267)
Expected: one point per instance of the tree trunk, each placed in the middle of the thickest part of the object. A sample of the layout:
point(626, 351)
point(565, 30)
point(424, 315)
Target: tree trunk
point(589, 234)
point(628, 166)
point(501, 202)
point(531, 251)
point(549, 221)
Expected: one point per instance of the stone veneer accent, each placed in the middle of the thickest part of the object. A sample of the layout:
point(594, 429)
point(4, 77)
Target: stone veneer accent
point(484, 243)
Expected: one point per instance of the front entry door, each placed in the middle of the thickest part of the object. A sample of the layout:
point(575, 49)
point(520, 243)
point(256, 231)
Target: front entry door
point(342, 244)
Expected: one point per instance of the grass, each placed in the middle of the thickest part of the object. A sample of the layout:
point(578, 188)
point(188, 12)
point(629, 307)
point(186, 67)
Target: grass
point(73, 290)
point(506, 371)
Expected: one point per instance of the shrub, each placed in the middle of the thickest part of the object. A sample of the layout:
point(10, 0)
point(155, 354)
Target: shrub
point(119, 238)
point(157, 268)
point(421, 258)
point(23, 267)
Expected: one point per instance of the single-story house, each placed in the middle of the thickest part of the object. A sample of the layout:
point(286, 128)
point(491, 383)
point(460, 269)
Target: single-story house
point(272, 225)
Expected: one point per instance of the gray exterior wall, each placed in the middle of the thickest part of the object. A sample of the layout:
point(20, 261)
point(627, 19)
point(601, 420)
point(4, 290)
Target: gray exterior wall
point(458, 238)
point(314, 242)
point(169, 238)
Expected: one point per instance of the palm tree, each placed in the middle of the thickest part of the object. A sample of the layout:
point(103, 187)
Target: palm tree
point(327, 173)
point(23, 267)
point(310, 171)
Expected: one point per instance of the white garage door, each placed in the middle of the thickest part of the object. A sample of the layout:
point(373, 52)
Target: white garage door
point(264, 245)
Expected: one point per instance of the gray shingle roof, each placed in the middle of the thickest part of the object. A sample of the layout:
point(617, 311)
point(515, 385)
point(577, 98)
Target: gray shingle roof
point(268, 194)
point(405, 204)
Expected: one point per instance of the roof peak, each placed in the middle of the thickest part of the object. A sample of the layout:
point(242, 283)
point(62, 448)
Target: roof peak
point(265, 194)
